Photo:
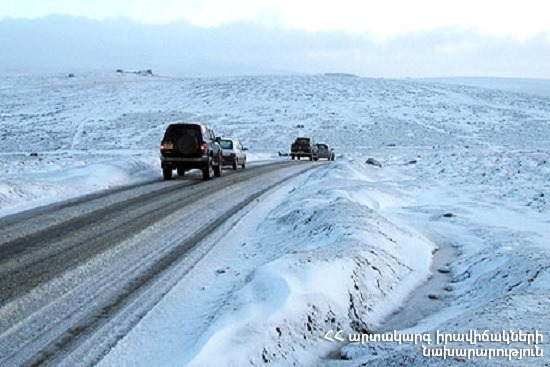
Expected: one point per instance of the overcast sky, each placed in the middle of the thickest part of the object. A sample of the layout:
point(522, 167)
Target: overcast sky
point(389, 38)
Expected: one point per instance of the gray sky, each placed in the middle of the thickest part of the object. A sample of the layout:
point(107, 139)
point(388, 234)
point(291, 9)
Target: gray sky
point(391, 38)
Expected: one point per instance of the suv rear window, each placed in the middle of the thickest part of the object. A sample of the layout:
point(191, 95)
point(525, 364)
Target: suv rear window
point(226, 144)
point(302, 141)
point(173, 132)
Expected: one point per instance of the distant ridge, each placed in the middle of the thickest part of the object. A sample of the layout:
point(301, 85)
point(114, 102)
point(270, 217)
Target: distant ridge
point(345, 75)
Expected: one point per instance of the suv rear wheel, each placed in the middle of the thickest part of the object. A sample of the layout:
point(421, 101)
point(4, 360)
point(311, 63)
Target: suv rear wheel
point(208, 171)
point(167, 173)
point(218, 168)
point(181, 172)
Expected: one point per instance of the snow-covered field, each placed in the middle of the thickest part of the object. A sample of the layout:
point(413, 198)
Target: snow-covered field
point(531, 86)
point(464, 170)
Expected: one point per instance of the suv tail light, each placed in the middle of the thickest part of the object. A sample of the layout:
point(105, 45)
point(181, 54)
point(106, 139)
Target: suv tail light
point(203, 147)
point(233, 155)
point(166, 145)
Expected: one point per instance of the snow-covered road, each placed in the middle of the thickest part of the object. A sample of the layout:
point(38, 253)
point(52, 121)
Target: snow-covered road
point(67, 271)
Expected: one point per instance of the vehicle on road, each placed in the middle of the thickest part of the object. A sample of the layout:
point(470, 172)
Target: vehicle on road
point(324, 151)
point(187, 146)
point(233, 153)
point(303, 147)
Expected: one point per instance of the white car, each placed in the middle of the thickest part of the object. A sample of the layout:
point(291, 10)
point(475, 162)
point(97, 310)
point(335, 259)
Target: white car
point(233, 153)
point(324, 151)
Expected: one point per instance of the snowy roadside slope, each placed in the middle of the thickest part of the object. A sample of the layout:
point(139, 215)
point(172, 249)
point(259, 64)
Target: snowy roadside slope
point(36, 189)
point(74, 122)
point(500, 278)
point(306, 259)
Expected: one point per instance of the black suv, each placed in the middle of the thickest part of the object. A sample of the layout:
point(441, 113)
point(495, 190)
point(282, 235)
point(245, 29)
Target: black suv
point(303, 147)
point(190, 146)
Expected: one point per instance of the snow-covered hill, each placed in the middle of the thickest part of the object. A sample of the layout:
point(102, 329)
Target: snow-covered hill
point(119, 118)
point(467, 168)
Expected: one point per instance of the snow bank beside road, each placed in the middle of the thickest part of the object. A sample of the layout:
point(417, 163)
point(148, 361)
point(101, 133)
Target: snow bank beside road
point(42, 186)
point(344, 267)
point(299, 264)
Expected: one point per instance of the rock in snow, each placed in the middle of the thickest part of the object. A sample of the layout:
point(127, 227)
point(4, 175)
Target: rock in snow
point(373, 162)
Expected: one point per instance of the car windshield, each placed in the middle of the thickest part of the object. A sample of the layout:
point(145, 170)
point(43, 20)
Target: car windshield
point(226, 144)
point(302, 141)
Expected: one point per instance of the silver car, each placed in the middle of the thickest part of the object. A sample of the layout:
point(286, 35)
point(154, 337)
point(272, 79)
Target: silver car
point(233, 153)
point(324, 151)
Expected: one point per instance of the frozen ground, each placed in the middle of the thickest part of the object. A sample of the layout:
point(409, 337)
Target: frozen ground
point(339, 249)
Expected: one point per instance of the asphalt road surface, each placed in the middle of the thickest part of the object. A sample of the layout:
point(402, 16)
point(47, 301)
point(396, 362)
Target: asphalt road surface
point(76, 276)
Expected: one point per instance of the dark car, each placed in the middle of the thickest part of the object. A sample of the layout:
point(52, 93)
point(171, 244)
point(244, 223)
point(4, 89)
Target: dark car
point(233, 153)
point(187, 146)
point(324, 151)
point(303, 147)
